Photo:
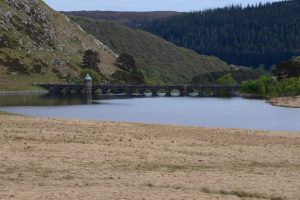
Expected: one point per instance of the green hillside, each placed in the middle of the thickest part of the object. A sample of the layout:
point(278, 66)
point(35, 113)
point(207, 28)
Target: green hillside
point(38, 44)
point(159, 60)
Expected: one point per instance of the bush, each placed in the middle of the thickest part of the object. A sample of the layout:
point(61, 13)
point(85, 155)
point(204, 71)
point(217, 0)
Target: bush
point(226, 80)
point(289, 87)
point(263, 86)
point(266, 86)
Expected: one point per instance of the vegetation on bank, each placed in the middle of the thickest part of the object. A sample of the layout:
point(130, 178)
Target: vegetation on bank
point(261, 34)
point(284, 82)
point(9, 114)
point(268, 87)
point(23, 82)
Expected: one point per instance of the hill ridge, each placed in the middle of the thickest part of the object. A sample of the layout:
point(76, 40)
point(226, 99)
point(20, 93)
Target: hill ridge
point(130, 19)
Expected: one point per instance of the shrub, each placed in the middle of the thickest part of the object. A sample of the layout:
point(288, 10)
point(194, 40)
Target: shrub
point(226, 80)
point(266, 86)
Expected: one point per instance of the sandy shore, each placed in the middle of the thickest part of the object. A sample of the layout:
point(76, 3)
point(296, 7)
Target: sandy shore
point(63, 159)
point(293, 102)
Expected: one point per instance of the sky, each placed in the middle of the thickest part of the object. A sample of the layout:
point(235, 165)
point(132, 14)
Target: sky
point(145, 5)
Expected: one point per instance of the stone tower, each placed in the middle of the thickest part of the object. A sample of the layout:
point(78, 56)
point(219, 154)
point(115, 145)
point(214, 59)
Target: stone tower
point(88, 84)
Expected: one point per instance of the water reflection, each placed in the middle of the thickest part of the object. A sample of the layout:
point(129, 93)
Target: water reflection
point(41, 100)
point(56, 100)
point(88, 99)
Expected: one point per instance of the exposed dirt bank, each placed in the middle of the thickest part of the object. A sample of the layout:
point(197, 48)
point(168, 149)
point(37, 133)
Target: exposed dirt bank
point(64, 159)
point(293, 102)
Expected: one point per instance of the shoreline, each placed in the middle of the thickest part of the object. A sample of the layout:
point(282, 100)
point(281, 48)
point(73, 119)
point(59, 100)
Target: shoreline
point(25, 92)
point(290, 102)
point(154, 124)
point(75, 159)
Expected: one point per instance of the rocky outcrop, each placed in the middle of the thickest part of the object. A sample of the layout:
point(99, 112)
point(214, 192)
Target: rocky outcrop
point(4, 41)
point(34, 20)
point(38, 39)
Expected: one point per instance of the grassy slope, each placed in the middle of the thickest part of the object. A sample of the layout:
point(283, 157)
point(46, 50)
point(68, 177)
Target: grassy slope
point(156, 58)
point(66, 47)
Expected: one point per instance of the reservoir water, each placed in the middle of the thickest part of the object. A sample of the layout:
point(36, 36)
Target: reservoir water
point(192, 111)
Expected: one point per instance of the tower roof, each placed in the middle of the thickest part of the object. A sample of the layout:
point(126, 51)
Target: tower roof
point(88, 78)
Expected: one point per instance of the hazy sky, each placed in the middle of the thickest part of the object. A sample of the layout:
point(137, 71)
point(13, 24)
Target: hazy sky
point(145, 5)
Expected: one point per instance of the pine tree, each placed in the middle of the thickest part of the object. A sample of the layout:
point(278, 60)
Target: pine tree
point(126, 62)
point(91, 59)
point(262, 34)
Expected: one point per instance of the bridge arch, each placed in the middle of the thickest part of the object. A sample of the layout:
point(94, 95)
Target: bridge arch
point(183, 90)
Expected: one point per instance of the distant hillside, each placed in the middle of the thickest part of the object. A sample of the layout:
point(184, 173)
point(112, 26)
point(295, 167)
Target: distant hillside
point(130, 19)
point(263, 34)
point(40, 44)
point(155, 57)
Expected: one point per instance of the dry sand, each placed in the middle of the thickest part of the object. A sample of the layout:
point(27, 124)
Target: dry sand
point(64, 159)
point(293, 102)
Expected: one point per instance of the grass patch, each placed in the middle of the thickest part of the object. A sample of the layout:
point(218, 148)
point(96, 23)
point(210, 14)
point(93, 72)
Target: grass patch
point(8, 114)
point(23, 82)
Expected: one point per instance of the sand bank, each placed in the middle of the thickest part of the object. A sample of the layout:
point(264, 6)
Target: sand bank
point(64, 159)
point(293, 102)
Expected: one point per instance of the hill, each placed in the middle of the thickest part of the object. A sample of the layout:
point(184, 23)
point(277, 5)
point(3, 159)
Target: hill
point(262, 34)
point(39, 44)
point(130, 19)
point(159, 60)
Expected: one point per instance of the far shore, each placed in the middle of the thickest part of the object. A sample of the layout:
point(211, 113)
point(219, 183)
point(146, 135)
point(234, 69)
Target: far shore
point(23, 92)
point(293, 102)
point(72, 159)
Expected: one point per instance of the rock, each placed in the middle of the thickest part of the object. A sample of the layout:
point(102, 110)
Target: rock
point(21, 43)
point(36, 25)
point(4, 42)
point(6, 22)
point(24, 5)
point(57, 63)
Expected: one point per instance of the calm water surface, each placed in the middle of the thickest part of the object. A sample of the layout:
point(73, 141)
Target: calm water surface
point(209, 112)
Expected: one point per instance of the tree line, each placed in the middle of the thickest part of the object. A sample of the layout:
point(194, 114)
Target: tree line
point(264, 34)
point(284, 80)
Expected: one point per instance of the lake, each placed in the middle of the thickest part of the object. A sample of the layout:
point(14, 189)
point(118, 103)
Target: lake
point(193, 111)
